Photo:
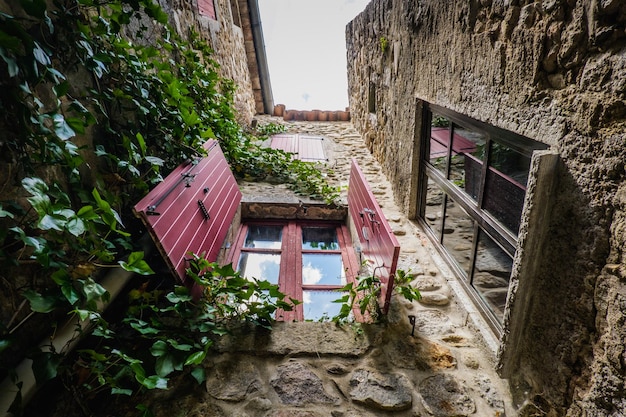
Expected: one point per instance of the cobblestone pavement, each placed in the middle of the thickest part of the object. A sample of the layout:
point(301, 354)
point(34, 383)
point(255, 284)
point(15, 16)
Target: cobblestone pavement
point(444, 315)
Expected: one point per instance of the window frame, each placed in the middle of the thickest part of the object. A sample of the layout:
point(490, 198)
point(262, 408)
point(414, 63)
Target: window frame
point(482, 220)
point(290, 280)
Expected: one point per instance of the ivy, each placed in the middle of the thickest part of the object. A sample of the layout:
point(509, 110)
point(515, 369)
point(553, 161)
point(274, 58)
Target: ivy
point(364, 296)
point(93, 116)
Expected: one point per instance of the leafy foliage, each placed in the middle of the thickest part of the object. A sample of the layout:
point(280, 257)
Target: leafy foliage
point(166, 332)
point(92, 116)
point(364, 296)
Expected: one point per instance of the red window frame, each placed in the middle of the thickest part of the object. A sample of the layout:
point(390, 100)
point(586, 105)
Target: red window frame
point(290, 275)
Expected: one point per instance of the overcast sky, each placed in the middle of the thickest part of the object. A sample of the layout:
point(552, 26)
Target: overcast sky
point(305, 44)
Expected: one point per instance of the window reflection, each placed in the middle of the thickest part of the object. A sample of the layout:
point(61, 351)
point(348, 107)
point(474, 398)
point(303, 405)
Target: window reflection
point(322, 269)
point(492, 271)
point(322, 238)
point(263, 266)
point(319, 304)
point(458, 230)
point(468, 153)
point(505, 187)
point(264, 237)
point(434, 206)
point(439, 142)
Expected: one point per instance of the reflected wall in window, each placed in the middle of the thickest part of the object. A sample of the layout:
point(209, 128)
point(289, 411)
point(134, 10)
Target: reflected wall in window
point(458, 230)
point(264, 237)
point(322, 238)
point(505, 187)
point(491, 274)
point(468, 154)
point(434, 206)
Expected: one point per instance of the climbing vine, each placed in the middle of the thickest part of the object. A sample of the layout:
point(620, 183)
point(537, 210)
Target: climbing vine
point(98, 101)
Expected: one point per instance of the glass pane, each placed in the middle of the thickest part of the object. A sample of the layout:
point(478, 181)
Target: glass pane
point(434, 205)
point(323, 238)
point(319, 304)
point(322, 269)
point(506, 185)
point(458, 232)
point(264, 237)
point(492, 272)
point(263, 266)
point(439, 142)
point(468, 151)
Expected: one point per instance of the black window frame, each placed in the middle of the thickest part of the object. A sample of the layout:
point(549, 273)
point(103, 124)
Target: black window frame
point(483, 221)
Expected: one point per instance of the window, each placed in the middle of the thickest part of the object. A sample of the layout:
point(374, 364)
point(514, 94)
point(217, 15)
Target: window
point(234, 8)
point(309, 262)
point(471, 203)
point(207, 8)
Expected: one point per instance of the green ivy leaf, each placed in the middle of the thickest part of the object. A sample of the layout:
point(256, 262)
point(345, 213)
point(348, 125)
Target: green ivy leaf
point(11, 63)
point(50, 222)
point(155, 161)
point(164, 365)
point(195, 358)
point(61, 128)
point(4, 213)
point(121, 391)
point(75, 226)
point(94, 291)
point(110, 216)
point(45, 366)
point(145, 411)
point(159, 348)
point(199, 374)
point(143, 327)
point(136, 264)
point(41, 303)
point(4, 343)
point(70, 293)
point(39, 191)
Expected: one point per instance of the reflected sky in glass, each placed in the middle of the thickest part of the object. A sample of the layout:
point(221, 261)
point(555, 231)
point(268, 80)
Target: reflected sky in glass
point(263, 266)
point(322, 269)
point(318, 304)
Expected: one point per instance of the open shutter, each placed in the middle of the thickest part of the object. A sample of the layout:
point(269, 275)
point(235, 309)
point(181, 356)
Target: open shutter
point(207, 8)
point(378, 243)
point(191, 210)
point(304, 147)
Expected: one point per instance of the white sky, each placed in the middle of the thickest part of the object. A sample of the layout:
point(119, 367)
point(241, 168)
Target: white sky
point(305, 43)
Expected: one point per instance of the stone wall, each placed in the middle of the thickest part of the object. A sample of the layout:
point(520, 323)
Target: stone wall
point(227, 41)
point(554, 71)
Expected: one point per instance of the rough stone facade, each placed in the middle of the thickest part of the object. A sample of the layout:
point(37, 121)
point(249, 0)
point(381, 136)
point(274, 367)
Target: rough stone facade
point(553, 71)
point(228, 42)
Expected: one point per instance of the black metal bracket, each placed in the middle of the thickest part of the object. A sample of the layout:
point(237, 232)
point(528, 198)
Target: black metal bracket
point(188, 178)
point(203, 209)
point(412, 321)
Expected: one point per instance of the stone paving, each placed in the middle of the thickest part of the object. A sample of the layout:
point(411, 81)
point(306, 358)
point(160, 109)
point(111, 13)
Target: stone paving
point(445, 369)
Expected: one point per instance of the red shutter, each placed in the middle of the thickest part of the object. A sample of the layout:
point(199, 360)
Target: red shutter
point(207, 8)
point(305, 147)
point(378, 243)
point(192, 209)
